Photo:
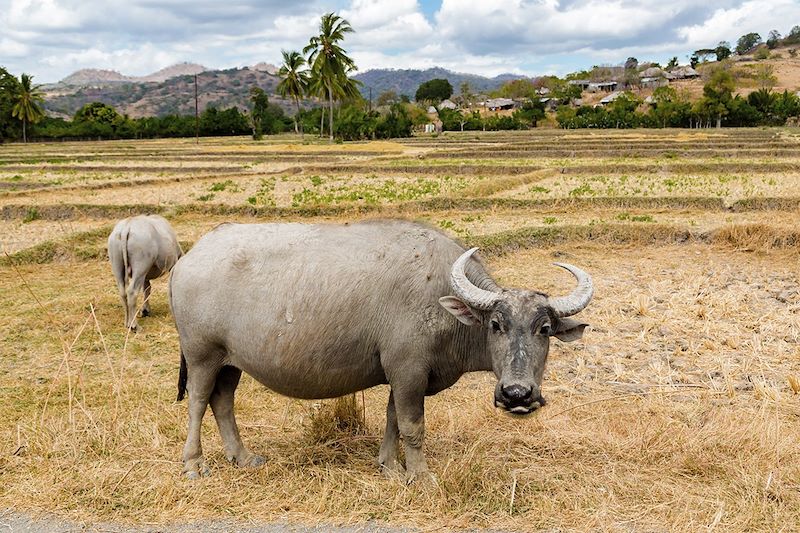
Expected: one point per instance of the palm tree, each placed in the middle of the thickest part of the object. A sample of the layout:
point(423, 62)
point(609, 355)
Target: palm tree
point(317, 89)
point(27, 98)
point(328, 60)
point(295, 79)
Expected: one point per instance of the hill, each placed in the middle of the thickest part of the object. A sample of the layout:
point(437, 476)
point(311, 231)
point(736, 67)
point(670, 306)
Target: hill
point(406, 81)
point(175, 94)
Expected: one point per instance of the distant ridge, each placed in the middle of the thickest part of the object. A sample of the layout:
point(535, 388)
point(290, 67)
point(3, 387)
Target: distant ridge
point(406, 81)
point(93, 76)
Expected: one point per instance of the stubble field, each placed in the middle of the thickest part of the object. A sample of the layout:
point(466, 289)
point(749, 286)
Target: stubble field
point(678, 411)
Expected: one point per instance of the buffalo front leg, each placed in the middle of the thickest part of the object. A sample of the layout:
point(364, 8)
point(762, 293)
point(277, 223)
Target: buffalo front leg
point(222, 406)
point(410, 406)
point(387, 457)
point(200, 384)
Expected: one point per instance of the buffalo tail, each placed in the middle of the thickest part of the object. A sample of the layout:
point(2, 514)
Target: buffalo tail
point(182, 376)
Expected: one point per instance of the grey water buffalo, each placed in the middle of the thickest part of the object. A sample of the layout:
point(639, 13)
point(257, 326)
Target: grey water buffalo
point(320, 311)
point(141, 248)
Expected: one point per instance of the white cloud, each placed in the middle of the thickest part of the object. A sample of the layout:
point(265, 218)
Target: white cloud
point(11, 48)
point(50, 38)
point(759, 16)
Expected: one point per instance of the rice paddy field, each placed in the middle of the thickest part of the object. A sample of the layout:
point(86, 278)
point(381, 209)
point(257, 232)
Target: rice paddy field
point(678, 411)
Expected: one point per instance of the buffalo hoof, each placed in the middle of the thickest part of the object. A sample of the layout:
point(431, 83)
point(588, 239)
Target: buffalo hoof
point(393, 470)
point(196, 469)
point(424, 479)
point(250, 461)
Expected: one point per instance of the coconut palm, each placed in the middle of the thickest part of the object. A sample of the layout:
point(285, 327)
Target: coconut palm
point(27, 97)
point(316, 89)
point(327, 59)
point(294, 82)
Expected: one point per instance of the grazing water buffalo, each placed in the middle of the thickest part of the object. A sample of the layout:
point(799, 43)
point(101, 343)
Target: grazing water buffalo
point(319, 311)
point(141, 248)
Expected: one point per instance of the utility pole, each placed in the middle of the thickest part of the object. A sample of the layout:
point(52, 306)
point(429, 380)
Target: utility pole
point(196, 114)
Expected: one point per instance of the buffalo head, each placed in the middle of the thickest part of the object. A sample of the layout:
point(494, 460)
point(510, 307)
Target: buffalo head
point(518, 324)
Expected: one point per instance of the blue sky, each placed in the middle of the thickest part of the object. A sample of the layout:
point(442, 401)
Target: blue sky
point(52, 38)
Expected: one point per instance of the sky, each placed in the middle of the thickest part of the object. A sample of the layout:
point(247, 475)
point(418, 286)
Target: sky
point(52, 38)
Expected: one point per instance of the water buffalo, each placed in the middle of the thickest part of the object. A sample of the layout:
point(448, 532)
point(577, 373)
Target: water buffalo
point(141, 248)
point(320, 311)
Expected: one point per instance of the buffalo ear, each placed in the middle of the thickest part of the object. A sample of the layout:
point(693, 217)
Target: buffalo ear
point(569, 330)
point(464, 313)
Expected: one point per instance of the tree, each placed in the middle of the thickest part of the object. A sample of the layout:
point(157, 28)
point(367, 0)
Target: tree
point(328, 60)
point(673, 63)
point(704, 54)
point(717, 93)
point(773, 40)
point(466, 93)
point(631, 75)
point(723, 50)
point(765, 76)
point(520, 88)
point(434, 90)
point(387, 98)
point(260, 103)
point(746, 42)
point(531, 112)
point(793, 37)
point(27, 99)
point(7, 85)
point(294, 79)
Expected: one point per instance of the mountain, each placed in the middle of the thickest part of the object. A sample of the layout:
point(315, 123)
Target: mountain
point(181, 69)
point(220, 88)
point(89, 76)
point(406, 81)
point(93, 76)
point(171, 90)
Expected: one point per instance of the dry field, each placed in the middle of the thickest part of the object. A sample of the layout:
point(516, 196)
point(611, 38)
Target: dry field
point(679, 410)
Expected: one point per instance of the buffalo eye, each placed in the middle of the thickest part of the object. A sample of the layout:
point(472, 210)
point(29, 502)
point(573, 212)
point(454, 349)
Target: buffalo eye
point(544, 329)
point(495, 326)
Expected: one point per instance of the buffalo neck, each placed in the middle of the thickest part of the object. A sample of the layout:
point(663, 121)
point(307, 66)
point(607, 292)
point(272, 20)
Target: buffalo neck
point(471, 348)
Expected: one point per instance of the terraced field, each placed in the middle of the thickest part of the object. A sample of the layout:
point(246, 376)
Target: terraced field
point(678, 411)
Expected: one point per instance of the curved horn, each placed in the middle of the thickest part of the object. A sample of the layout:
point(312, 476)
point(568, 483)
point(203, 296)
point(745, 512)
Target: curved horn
point(464, 289)
point(573, 304)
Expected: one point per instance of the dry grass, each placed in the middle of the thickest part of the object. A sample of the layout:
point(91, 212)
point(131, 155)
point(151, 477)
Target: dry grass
point(669, 419)
point(677, 412)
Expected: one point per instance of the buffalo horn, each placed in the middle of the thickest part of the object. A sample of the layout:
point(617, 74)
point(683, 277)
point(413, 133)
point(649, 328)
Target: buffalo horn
point(464, 289)
point(564, 306)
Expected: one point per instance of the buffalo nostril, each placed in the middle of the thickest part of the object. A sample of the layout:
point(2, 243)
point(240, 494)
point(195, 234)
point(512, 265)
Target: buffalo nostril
point(517, 393)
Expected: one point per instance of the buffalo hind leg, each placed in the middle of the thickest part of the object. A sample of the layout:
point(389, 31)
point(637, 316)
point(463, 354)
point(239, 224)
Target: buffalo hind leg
point(409, 401)
point(387, 457)
point(134, 287)
point(146, 305)
point(222, 406)
point(200, 385)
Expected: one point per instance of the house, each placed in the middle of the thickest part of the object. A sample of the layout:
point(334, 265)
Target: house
point(496, 104)
point(605, 86)
point(653, 82)
point(542, 91)
point(549, 103)
point(610, 98)
point(652, 72)
point(583, 84)
point(685, 73)
point(447, 104)
point(432, 110)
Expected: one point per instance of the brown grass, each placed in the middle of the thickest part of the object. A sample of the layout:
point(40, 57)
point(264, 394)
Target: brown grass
point(677, 411)
point(637, 434)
